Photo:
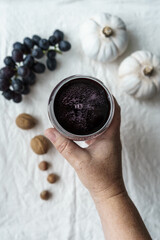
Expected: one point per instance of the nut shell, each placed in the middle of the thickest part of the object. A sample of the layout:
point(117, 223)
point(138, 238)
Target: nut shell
point(45, 195)
point(25, 121)
point(39, 144)
point(51, 178)
point(43, 165)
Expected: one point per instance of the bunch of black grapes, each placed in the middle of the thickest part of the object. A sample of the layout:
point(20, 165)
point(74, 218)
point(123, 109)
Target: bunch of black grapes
point(21, 68)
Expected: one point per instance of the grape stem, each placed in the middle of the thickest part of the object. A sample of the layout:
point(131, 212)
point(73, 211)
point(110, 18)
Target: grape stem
point(55, 49)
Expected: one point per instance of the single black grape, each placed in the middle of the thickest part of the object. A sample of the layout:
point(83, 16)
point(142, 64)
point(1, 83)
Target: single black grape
point(17, 55)
point(4, 84)
point(28, 42)
point(59, 35)
point(37, 53)
point(44, 44)
point(51, 54)
point(7, 72)
point(51, 64)
point(19, 46)
point(36, 39)
point(17, 98)
point(30, 79)
point(26, 90)
point(17, 85)
point(28, 61)
point(26, 50)
point(64, 46)
point(8, 94)
point(9, 62)
point(38, 67)
point(23, 71)
point(53, 40)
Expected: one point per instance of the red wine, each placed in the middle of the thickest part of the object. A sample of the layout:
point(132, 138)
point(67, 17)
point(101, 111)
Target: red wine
point(82, 106)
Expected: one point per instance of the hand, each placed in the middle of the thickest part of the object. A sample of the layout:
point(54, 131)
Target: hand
point(99, 168)
point(99, 165)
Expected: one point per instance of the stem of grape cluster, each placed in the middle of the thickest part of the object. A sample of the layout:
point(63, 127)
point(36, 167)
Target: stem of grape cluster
point(55, 49)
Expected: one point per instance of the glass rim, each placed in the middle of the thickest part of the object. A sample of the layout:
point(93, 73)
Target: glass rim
point(53, 118)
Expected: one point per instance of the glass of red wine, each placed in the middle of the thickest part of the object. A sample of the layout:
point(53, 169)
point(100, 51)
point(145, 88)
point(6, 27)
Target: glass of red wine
point(81, 107)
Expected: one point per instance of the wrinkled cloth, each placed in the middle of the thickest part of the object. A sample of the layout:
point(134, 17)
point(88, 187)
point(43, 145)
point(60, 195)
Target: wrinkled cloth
point(71, 214)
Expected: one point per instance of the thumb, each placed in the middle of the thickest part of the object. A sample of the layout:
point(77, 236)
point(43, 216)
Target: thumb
point(73, 153)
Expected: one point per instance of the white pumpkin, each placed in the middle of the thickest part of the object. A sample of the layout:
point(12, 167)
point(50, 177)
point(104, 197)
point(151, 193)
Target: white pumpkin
point(104, 37)
point(139, 74)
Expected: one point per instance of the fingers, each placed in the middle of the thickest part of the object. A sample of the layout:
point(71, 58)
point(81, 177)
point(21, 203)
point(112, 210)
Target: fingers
point(69, 150)
point(91, 141)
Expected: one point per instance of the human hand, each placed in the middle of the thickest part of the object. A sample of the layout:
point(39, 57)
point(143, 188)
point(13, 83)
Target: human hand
point(99, 168)
point(99, 165)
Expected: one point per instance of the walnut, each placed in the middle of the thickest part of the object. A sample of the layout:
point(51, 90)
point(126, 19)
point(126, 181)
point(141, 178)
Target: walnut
point(43, 165)
point(39, 144)
point(51, 178)
point(25, 121)
point(45, 195)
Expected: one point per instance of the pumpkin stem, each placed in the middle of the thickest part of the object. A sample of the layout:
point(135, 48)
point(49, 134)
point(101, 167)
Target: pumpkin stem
point(107, 31)
point(148, 70)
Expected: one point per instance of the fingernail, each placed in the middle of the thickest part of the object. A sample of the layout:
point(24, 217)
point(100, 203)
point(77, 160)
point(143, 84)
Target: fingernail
point(50, 135)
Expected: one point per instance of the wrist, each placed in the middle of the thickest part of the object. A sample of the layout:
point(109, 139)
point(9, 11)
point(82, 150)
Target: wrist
point(115, 189)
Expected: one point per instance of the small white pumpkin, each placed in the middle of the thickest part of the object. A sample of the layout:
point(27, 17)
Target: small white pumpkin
point(139, 74)
point(104, 37)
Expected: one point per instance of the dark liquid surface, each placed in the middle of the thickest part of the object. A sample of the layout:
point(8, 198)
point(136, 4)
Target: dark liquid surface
point(81, 106)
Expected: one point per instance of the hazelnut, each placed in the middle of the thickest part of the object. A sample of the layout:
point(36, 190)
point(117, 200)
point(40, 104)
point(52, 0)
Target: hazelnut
point(43, 165)
point(51, 178)
point(25, 121)
point(39, 144)
point(45, 195)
